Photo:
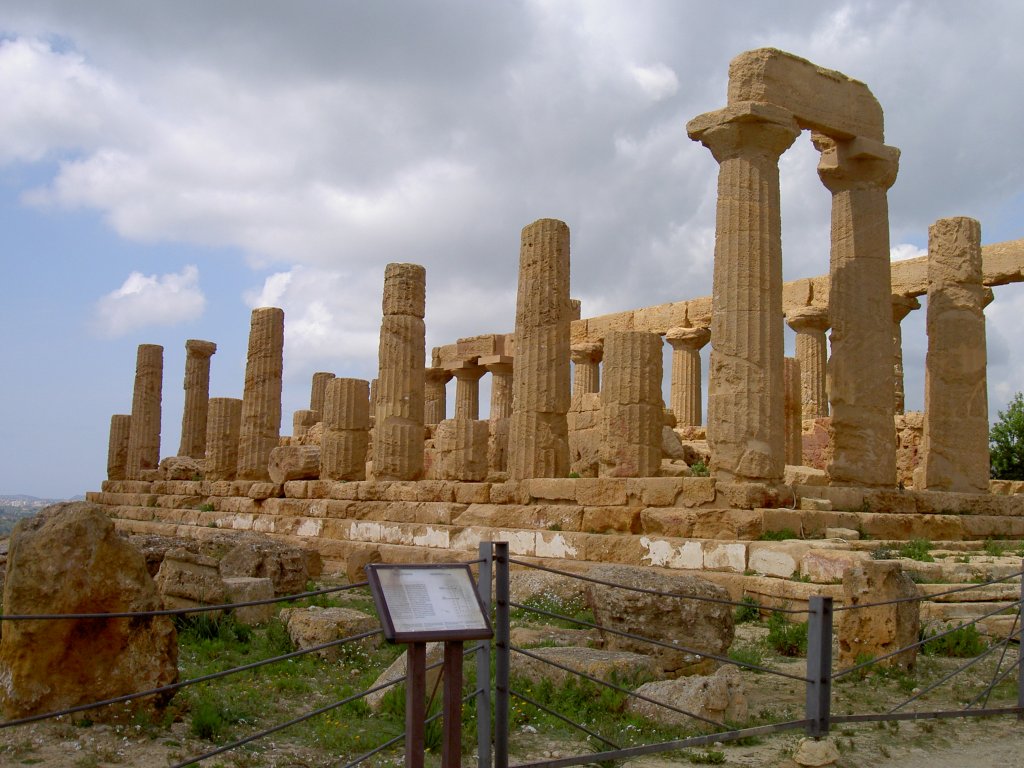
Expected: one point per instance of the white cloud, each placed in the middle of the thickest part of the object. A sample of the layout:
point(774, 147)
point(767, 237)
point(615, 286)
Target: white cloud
point(903, 251)
point(656, 81)
point(147, 300)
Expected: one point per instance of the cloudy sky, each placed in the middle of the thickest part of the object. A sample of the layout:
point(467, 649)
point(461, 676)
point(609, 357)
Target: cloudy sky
point(166, 167)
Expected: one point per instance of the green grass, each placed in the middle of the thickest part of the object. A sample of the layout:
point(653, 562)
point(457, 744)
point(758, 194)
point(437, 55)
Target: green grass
point(963, 643)
point(574, 608)
point(783, 535)
point(786, 638)
point(994, 547)
point(917, 549)
point(749, 611)
point(748, 654)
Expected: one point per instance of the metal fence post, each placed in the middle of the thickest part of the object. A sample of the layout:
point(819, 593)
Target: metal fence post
point(483, 663)
point(1020, 648)
point(501, 646)
point(819, 664)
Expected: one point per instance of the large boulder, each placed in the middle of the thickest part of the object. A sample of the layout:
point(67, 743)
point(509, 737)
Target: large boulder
point(719, 697)
point(866, 633)
point(69, 559)
point(695, 624)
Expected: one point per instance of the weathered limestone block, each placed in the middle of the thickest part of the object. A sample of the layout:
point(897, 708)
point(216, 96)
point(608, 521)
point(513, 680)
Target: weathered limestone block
point(144, 434)
point(180, 468)
point(398, 425)
point(313, 626)
point(815, 753)
point(685, 387)
point(261, 398)
point(720, 697)
point(346, 436)
point(584, 425)
point(244, 589)
point(745, 388)
point(294, 462)
point(955, 445)
point(117, 448)
point(288, 567)
point(695, 624)
point(586, 361)
point(302, 421)
point(197, 397)
point(190, 579)
point(631, 406)
point(461, 446)
point(873, 632)
point(858, 173)
point(223, 427)
point(538, 431)
point(909, 436)
point(69, 559)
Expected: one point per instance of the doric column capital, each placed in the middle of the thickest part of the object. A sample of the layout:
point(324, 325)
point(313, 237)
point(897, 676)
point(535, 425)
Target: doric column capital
point(856, 163)
point(809, 318)
point(497, 365)
point(200, 348)
point(437, 375)
point(746, 129)
point(691, 337)
point(587, 352)
point(467, 370)
point(903, 306)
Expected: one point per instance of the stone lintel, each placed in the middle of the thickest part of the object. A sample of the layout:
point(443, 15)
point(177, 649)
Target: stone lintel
point(741, 112)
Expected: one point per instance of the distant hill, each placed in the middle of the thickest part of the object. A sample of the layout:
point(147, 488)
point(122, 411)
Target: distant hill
point(16, 506)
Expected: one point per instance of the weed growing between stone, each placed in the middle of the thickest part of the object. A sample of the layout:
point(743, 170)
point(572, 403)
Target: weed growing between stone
point(786, 638)
point(749, 611)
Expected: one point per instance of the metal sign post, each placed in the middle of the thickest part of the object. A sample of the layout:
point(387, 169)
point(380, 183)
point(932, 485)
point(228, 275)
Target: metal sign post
point(418, 604)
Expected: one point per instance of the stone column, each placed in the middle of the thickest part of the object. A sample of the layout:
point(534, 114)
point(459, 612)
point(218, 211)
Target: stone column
point(117, 447)
point(144, 434)
point(302, 420)
point(955, 445)
point(901, 307)
point(631, 405)
point(860, 373)
point(467, 389)
point(398, 425)
point(586, 359)
point(745, 389)
point(794, 420)
point(538, 430)
point(810, 324)
point(261, 399)
point(346, 429)
point(435, 395)
point(197, 397)
point(223, 428)
point(500, 368)
point(316, 393)
point(685, 387)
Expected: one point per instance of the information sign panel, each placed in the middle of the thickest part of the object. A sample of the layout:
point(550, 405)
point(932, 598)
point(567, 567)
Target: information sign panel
point(424, 603)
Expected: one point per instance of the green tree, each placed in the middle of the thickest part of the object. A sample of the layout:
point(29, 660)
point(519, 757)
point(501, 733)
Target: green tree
point(1006, 442)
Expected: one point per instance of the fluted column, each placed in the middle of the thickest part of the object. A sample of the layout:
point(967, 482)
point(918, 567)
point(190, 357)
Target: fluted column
point(901, 307)
point(346, 433)
point(745, 425)
point(586, 360)
point(631, 406)
point(810, 324)
point(197, 397)
point(260, 430)
point(955, 444)
point(858, 173)
point(223, 427)
point(435, 395)
point(500, 368)
point(538, 431)
point(685, 386)
point(117, 447)
point(144, 433)
point(398, 425)
point(794, 416)
point(316, 393)
point(467, 389)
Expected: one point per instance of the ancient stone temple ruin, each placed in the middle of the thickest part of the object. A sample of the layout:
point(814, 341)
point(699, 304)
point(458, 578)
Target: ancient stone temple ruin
point(580, 459)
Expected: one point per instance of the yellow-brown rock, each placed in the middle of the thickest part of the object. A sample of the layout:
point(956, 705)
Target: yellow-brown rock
point(873, 632)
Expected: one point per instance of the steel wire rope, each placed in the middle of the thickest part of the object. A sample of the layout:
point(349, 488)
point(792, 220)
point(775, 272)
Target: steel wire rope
point(618, 688)
point(896, 600)
point(184, 683)
point(970, 663)
point(644, 590)
point(906, 648)
point(662, 643)
point(180, 611)
point(563, 718)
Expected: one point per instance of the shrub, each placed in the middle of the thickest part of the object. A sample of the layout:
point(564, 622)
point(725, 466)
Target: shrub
point(917, 549)
point(785, 533)
point(994, 548)
point(749, 611)
point(1006, 442)
point(786, 638)
point(963, 643)
point(699, 469)
point(748, 654)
